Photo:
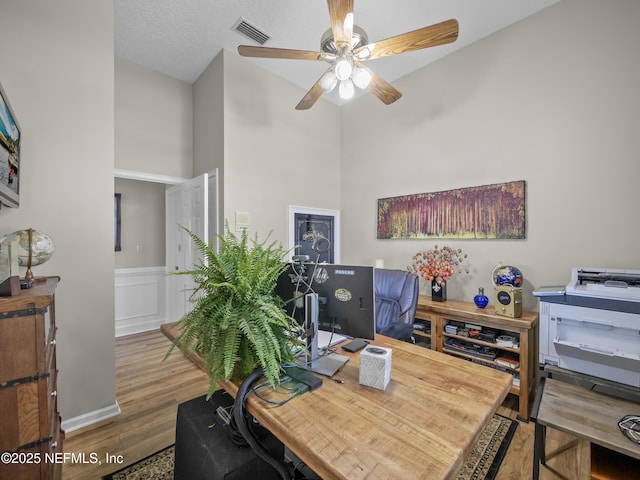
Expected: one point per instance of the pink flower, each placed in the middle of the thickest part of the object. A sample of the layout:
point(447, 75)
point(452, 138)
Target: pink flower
point(438, 262)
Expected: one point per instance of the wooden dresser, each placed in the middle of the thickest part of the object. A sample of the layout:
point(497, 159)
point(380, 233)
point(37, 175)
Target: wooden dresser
point(31, 437)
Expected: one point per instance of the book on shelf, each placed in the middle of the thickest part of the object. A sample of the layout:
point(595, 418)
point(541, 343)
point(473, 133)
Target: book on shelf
point(487, 335)
point(469, 348)
point(507, 360)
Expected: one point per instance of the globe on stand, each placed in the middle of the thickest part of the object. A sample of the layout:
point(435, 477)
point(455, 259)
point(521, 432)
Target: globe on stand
point(34, 248)
point(506, 275)
point(507, 281)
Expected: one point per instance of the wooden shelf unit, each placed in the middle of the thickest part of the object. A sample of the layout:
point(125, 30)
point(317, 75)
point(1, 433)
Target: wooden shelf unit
point(425, 336)
point(30, 422)
point(439, 314)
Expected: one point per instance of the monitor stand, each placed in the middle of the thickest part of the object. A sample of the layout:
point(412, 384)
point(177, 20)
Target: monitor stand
point(328, 364)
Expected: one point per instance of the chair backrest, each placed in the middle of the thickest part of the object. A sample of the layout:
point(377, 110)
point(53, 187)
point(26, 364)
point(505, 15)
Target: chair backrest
point(396, 297)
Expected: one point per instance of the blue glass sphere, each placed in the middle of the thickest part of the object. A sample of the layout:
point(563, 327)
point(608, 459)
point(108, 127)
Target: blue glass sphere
point(481, 300)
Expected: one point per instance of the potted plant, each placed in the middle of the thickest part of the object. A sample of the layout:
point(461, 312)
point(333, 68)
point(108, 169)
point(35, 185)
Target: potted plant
point(437, 266)
point(237, 322)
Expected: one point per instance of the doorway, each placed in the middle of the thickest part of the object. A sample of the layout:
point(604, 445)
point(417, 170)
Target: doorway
point(147, 297)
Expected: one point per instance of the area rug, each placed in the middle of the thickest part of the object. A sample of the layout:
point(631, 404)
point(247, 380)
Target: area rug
point(483, 462)
point(158, 466)
point(486, 457)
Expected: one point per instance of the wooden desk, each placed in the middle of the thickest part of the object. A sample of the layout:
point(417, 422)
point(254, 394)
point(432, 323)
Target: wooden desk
point(584, 413)
point(423, 426)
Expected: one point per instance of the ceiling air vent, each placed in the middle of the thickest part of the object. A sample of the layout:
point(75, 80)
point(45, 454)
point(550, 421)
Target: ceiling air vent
point(248, 30)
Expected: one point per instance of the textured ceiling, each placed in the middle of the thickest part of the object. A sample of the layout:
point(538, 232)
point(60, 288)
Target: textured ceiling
point(181, 37)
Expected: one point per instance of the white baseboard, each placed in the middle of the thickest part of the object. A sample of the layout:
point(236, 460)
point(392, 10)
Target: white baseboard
point(90, 418)
point(140, 300)
point(133, 327)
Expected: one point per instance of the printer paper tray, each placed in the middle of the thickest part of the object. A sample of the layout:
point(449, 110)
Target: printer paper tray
point(597, 349)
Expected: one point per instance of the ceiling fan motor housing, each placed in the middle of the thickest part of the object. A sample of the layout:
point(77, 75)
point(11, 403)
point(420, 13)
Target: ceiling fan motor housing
point(358, 39)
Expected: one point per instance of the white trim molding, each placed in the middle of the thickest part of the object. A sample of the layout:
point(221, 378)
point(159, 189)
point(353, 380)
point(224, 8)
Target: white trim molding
point(147, 177)
point(90, 418)
point(140, 299)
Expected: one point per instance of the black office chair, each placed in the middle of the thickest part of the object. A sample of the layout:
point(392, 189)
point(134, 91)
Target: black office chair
point(396, 301)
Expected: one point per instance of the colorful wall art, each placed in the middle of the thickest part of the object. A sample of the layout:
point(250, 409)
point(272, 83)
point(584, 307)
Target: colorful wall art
point(487, 211)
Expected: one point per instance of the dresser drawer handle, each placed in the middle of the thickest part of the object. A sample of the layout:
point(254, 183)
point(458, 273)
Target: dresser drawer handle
point(54, 445)
point(54, 393)
point(52, 342)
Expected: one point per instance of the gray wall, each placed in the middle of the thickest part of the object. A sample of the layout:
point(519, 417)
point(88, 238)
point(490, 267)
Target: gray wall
point(208, 134)
point(273, 155)
point(551, 100)
point(154, 122)
point(276, 156)
point(142, 223)
point(153, 135)
point(58, 74)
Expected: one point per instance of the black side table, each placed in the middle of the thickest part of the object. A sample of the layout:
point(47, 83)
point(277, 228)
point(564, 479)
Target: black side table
point(204, 449)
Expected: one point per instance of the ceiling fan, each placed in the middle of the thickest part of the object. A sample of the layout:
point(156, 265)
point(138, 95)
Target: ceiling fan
point(345, 47)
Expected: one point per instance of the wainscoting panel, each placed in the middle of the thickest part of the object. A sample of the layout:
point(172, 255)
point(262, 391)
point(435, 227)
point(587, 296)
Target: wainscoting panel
point(140, 297)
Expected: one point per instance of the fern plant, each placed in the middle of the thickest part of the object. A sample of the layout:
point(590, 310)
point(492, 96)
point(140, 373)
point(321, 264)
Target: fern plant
point(237, 320)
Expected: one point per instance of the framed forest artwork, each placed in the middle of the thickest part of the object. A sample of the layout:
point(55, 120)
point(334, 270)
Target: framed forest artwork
point(487, 211)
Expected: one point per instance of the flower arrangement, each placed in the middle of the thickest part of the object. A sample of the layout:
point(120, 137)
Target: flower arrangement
point(439, 264)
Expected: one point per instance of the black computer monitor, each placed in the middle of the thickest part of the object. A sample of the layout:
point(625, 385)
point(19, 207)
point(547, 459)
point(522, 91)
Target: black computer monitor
point(345, 296)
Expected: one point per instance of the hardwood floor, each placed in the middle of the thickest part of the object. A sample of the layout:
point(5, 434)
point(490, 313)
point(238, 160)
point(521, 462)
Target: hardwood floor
point(149, 392)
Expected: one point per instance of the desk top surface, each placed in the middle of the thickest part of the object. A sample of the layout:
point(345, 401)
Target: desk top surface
point(422, 426)
point(587, 414)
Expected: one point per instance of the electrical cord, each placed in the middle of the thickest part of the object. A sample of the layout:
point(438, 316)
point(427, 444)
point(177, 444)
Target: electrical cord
point(299, 271)
point(240, 417)
point(236, 436)
point(294, 390)
point(630, 427)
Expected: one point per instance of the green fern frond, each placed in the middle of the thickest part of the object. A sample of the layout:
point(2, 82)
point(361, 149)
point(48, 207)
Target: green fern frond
point(237, 321)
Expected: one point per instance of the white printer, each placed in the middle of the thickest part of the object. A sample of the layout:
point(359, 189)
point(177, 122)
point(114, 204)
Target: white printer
point(592, 326)
point(605, 283)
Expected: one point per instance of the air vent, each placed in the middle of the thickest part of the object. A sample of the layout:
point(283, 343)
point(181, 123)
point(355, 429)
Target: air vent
point(248, 30)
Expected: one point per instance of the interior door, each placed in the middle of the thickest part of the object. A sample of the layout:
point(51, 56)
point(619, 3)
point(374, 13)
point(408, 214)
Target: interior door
point(214, 213)
point(187, 205)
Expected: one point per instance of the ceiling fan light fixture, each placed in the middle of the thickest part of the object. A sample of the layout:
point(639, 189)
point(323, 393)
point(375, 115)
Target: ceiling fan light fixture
point(343, 69)
point(346, 90)
point(328, 81)
point(361, 77)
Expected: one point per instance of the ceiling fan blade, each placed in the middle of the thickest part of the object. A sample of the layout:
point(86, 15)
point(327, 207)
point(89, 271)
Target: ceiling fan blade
point(382, 89)
point(311, 96)
point(431, 36)
point(341, 16)
point(268, 52)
